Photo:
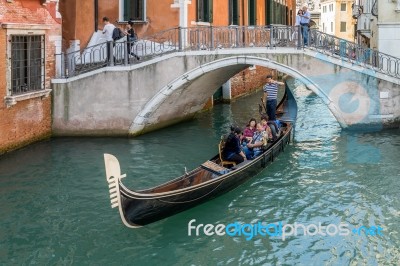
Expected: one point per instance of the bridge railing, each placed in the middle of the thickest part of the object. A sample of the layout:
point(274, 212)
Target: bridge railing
point(354, 53)
point(229, 37)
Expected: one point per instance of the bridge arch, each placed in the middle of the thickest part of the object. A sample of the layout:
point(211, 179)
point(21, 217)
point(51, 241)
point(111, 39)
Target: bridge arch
point(188, 93)
point(134, 99)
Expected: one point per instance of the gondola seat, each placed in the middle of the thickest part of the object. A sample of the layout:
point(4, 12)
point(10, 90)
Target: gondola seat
point(220, 150)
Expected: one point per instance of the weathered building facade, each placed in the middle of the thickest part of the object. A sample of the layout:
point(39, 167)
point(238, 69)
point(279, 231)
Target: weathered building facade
point(30, 34)
point(81, 18)
point(378, 24)
point(337, 20)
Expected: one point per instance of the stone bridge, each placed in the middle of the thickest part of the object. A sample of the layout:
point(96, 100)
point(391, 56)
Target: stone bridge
point(134, 99)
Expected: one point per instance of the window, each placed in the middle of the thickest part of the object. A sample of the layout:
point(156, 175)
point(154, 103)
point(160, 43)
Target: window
point(323, 27)
point(343, 7)
point(343, 26)
point(252, 12)
point(27, 63)
point(204, 10)
point(331, 26)
point(233, 12)
point(331, 8)
point(268, 12)
point(134, 10)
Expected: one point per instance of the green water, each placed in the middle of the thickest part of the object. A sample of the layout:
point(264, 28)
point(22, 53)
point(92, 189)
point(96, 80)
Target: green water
point(55, 206)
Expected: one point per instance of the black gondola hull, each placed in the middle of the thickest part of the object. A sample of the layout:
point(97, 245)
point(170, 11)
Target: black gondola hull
point(142, 210)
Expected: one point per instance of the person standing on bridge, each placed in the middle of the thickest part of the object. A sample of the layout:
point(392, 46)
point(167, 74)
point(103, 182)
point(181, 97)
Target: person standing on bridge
point(296, 33)
point(305, 24)
point(131, 38)
point(107, 32)
point(270, 96)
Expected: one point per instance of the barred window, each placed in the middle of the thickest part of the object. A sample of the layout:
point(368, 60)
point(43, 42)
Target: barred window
point(134, 10)
point(27, 63)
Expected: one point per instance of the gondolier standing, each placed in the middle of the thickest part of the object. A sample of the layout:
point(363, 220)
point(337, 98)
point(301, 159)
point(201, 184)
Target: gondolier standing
point(271, 95)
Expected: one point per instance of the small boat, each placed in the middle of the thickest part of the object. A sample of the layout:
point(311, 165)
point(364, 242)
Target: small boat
point(211, 179)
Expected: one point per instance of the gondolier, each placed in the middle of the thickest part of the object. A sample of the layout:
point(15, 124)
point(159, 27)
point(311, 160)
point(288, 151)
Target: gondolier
point(270, 96)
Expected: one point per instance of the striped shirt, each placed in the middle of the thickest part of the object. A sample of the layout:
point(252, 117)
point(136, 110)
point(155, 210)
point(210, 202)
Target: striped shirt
point(272, 90)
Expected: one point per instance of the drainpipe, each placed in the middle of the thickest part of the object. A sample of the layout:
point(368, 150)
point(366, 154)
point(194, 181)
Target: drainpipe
point(96, 15)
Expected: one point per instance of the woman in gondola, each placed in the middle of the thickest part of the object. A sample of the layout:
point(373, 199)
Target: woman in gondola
point(232, 149)
point(249, 131)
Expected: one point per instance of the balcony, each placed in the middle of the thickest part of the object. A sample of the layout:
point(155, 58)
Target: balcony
point(364, 24)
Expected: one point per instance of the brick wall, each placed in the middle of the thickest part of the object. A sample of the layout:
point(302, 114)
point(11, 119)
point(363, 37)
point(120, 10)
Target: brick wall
point(28, 120)
point(249, 80)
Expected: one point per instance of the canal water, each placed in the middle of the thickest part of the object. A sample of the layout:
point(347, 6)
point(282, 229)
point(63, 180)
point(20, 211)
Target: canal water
point(55, 207)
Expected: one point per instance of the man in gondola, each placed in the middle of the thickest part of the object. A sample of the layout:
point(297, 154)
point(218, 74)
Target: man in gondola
point(257, 144)
point(232, 150)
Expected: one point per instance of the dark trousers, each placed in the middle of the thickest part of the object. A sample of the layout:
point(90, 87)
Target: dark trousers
point(237, 158)
point(129, 46)
point(271, 109)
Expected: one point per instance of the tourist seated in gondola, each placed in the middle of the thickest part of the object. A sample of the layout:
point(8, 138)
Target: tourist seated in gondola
point(249, 131)
point(267, 128)
point(232, 150)
point(274, 128)
point(257, 144)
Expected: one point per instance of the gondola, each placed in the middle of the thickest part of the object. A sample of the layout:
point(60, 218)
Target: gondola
point(209, 180)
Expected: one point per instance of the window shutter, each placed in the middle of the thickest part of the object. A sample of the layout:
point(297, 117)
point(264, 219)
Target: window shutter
point(127, 8)
point(210, 11)
point(235, 15)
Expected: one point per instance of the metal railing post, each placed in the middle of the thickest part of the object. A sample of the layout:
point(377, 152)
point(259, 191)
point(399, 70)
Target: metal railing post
point(70, 64)
point(110, 47)
point(63, 70)
point(237, 36)
point(298, 28)
point(198, 39)
point(180, 36)
point(244, 37)
point(271, 37)
point(126, 52)
point(211, 38)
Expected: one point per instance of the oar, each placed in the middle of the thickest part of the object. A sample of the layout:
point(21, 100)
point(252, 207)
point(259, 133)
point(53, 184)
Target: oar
point(263, 104)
